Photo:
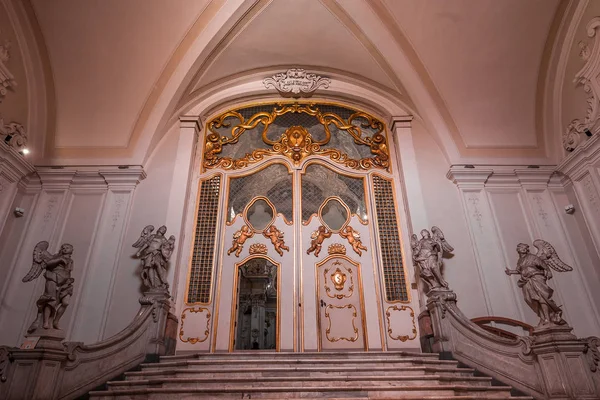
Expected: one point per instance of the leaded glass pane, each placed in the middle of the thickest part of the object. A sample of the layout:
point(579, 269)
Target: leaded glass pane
point(273, 182)
point(320, 182)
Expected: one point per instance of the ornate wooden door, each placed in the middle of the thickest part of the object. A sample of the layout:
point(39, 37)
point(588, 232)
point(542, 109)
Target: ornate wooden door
point(339, 295)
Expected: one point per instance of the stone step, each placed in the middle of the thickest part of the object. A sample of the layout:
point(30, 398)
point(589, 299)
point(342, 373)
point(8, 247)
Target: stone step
point(254, 355)
point(301, 381)
point(323, 392)
point(304, 371)
point(292, 362)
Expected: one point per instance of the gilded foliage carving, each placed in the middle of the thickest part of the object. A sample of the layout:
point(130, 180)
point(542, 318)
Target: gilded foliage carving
point(296, 142)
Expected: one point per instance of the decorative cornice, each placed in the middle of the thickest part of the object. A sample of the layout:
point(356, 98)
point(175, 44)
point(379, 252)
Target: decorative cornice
point(126, 178)
point(56, 177)
point(466, 177)
point(509, 177)
point(190, 121)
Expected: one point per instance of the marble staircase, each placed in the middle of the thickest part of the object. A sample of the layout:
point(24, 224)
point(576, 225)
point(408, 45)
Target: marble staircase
point(326, 375)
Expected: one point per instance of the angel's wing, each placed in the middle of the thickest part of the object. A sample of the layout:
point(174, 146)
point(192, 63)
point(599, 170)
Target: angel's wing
point(237, 234)
point(314, 235)
point(414, 242)
point(144, 236)
point(40, 255)
point(356, 234)
point(547, 253)
point(438, 236)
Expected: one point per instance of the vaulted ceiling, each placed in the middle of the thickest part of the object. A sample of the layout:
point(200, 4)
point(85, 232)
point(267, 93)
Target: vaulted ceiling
point(472, 66)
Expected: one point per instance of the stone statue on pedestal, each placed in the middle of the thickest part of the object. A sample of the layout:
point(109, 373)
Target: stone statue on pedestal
point(59, 284)
point(427, 254)
point(534, 271)
point(154, 251)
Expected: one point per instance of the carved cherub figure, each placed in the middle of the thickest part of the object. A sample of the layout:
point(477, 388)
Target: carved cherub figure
point(353, 238)
point(276, 237)
point(535, 271)
point(59, 285)
point(155, 251)
point(427, 253)
point(239, 238)
point(318, 237)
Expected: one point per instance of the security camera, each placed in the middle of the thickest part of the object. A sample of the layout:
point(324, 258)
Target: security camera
point(570, 209)
point(19, 212)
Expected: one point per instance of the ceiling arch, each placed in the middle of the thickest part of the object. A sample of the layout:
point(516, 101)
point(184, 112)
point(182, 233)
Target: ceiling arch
point(376, 45)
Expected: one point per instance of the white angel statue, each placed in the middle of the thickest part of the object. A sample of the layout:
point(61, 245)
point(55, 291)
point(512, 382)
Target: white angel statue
point(535, 271)
point(427, 254)
point(59, 285)
point(155, 251)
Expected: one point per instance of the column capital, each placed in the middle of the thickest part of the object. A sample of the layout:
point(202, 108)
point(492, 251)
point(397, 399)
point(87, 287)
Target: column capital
point(465, 176)
point(56, 177)
point(125, 177)
point(190, 121)
point(534, 177)
point(404, 121)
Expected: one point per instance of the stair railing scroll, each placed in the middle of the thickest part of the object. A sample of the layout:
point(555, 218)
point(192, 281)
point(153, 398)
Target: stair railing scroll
point(551, 363)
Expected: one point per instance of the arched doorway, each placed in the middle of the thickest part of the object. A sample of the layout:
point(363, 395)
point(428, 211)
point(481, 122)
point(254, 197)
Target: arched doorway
point(311, 188)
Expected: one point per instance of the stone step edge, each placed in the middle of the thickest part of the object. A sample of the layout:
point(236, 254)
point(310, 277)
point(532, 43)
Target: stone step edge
point(299, 379)
point(271, 389)
point(266, 354)
point(420, 397)
point(153, 371)
point(296, 361)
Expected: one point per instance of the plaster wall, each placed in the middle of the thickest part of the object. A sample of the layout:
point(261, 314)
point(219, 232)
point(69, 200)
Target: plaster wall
point(485, 212)
point(150, 207)
point(96, 211)
point(444, 209)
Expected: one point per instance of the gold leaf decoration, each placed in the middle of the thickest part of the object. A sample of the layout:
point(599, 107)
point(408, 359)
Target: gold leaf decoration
point(296, 142)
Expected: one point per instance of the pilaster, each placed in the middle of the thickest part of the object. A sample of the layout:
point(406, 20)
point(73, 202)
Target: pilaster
point(189, 130)
point(97, 289)
point(46, 224)
point(482, 223)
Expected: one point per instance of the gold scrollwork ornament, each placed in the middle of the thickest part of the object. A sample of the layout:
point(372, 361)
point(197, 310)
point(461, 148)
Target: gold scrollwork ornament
point(336, 248)
point(257, 248)
point(296, 143)
point(194, 340)
point(402, 338)
point(354, 328)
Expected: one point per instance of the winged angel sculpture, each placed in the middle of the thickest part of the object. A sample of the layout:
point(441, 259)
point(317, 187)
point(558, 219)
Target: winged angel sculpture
point(535, 270)
point(427, 253)
point(59, 285)
point(154, 251)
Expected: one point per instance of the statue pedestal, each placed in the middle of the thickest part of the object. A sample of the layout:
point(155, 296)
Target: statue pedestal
point(564, 363)
point(49, 338)
point(36, 372)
